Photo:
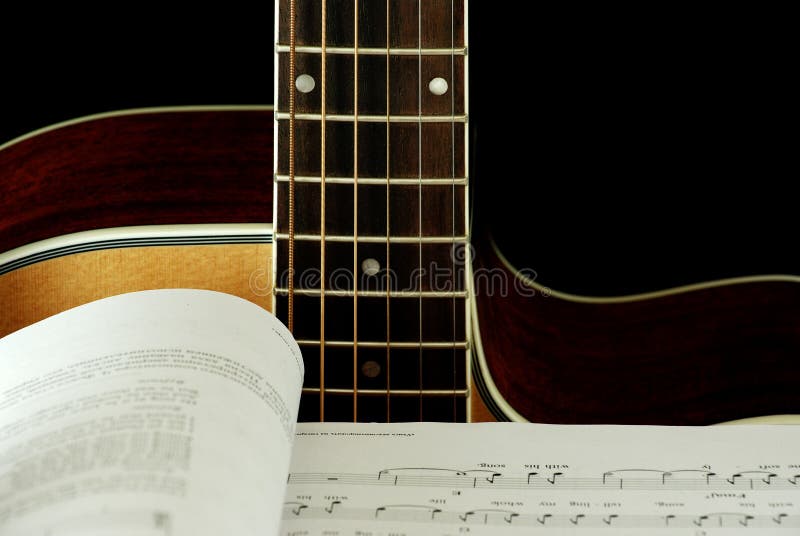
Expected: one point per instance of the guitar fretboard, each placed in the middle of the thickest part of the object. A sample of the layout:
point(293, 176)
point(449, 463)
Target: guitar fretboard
point(371, 190)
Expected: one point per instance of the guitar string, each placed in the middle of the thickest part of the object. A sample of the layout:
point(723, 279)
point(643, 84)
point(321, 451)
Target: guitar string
point(355, 211)
point(388, 279)
point(453, 192)
point(419, 188)
point(322, 138)
point(292, 71)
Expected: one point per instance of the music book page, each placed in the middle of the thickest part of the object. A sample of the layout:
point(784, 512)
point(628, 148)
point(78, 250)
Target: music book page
point(156, 413)
point(502, 478)
point(172, 413)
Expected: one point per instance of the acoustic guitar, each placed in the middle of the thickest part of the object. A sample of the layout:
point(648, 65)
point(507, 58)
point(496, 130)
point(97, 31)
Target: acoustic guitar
point(356, 232)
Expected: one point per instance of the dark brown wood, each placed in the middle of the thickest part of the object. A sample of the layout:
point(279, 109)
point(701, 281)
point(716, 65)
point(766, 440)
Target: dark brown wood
point(142, 169)
point(437, 22)
point(434, 151)
point(404, 77)
point(691, 358)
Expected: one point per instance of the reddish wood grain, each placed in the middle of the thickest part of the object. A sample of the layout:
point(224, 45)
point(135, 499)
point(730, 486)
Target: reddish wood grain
point(143, 169)
point(687, 359)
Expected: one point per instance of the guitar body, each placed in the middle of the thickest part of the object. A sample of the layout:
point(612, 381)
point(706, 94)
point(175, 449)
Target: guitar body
point(700, 354)
point(639, 181)
point(696, 355)
point(135, 200)
point(184, 198)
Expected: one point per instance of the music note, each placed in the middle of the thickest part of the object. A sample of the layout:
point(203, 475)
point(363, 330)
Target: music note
point(767, 479)
point(677, 475)
point(506, 515)
point(733, 478)
point(329, 509)
point(637, 475)
point(607, 520)
point(576, 519)
point(297, 507)
point(510, 517)
point(552, 479)
point(491, 474)
point(421, 475)
point(779, 518)
point(726, 519)
point(543, 519)
point(421, 470)
point(406, 510)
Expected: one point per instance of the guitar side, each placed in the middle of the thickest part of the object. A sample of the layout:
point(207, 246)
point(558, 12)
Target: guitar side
point(701, 354)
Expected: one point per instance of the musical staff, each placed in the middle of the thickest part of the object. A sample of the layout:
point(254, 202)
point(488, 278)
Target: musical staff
point(627, 479)
point(413, 513)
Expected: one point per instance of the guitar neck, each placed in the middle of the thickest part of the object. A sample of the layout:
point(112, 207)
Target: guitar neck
point(371, 196)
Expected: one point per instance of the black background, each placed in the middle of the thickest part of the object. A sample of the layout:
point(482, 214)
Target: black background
point(615, 150)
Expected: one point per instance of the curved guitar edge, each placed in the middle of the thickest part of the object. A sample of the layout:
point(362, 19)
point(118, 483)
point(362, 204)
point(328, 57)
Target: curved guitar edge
point(134, 236)
point(133, 200)
point(705, 355)
point(137, 111)
point(494, 406)
point(150, 166)
point(525, 279)
point(45, 278)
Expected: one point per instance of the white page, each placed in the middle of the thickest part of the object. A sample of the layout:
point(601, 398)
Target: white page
point(501, 478)
point(165, 412)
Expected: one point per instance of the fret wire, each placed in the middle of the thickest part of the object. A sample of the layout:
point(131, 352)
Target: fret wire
point(467, 257)
point(419, 163)
point(280, 291)
point(349, 118)
point(388, 173)
point(355, 212)
point(457, 345)
point(380, 181)
point(453, 173)
point(367, 51)
point(323, 116)
point(374, 239)
point(423, 135)
point(292, 72)
point(396, 392)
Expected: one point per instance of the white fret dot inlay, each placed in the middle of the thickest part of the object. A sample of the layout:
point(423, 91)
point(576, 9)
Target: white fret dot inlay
point(370, 267)
point(438, 86)
point(305, 83)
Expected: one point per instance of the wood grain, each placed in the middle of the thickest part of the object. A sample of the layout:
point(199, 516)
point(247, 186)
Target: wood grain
point(691, 358)
point(34, 292)
point(143, 169)
point(399, 147)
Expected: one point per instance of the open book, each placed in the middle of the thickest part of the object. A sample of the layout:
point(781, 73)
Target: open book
point(173, 412)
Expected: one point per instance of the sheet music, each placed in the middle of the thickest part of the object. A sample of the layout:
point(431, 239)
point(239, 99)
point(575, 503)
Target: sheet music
point(501, 478)
point(155, 413)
